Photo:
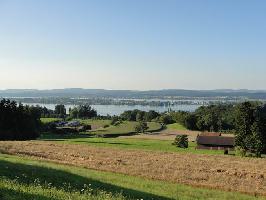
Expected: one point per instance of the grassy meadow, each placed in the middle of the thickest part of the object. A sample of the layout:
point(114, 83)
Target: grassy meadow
point(49, 120)
point(104, 127)
point(123, 128)
point(129, 143)
point(176, 126)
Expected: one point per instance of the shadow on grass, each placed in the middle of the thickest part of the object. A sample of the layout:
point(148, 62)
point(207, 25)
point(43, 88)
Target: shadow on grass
point(7, 194)
point(56, 137)
point(97, 131)
point(108, 143)
point(62, 179)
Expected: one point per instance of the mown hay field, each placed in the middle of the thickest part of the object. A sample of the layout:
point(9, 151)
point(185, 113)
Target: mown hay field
point(246, 175)
point(24, 178)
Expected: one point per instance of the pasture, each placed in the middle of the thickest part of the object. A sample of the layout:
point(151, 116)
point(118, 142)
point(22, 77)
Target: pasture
point(176, 127)
point(104, 127)
point(129, 142)
point(124, 128)
point(49, 120)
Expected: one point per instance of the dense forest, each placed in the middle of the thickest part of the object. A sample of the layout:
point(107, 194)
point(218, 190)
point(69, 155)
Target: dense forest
point(18, 122)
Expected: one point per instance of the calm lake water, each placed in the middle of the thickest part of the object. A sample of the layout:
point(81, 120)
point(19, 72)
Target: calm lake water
point(118, 109)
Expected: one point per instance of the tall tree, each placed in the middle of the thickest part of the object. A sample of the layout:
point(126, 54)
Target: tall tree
point(250, 127)
point(60, 111)
point(244, 120)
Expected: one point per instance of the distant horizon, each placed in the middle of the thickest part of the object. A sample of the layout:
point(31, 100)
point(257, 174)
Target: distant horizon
point(74, 88)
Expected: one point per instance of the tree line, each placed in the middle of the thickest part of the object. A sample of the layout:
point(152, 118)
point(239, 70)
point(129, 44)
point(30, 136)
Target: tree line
point(81, 111)
point(18, 122)
point(246, 120)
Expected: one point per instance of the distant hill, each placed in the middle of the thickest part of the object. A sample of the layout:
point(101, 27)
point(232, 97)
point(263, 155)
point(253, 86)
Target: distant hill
point(96, 93)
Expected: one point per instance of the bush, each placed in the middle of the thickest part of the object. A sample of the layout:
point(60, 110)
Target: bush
point(114, 120)
point(117, 123)
point(166, 119)
point(181, 141)
point(240, 151)
point(66, 131)
point(84, 128)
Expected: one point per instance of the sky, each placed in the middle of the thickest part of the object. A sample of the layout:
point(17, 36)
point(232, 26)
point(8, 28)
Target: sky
point(133, 44)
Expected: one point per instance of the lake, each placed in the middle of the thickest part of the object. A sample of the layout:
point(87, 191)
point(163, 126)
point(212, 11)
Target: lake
point(118, 109)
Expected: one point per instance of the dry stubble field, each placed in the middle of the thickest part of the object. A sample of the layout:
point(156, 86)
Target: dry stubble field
point(247, 175)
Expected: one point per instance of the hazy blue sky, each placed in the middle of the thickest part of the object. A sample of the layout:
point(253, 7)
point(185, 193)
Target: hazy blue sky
point(133, 44)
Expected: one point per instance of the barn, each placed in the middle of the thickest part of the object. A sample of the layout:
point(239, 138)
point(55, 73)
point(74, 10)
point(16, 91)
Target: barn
point(215, 142)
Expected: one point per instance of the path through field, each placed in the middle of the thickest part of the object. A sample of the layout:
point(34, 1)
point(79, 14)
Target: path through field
point(169, 134)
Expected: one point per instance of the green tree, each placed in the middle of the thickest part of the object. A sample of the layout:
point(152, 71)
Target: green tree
point(244, 120)
point(86, 111)
point(250, 127)
point(141, 127)
point(259, 131)
point(115, 120)
point(190, 122)
point(140, 116)
point(166, 119)
point(128, 115)
point(60, 111)
point(73, 112)
point(181, 141)
point(151, 115)
point(83, 112)
point(179, 116)
point(18, 122)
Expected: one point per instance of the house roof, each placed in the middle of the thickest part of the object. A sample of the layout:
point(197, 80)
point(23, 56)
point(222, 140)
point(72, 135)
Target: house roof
point(210, 134)
point(216, 140)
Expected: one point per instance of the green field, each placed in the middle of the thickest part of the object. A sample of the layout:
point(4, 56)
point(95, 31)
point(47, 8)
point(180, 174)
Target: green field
point(176, 126)
point(129, 143)
point(23, 178)
point(125, 128)
point(95, 122)
point(49, 120)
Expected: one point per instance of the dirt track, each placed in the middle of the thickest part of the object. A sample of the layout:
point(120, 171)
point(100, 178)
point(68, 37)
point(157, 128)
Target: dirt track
point(170, 135)
point(224, 172)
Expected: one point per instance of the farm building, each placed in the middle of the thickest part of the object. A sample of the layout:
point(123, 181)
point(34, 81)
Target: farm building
point(210, 134)
point(215, 142)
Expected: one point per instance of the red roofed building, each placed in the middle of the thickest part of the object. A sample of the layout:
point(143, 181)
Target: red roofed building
point(215, 142)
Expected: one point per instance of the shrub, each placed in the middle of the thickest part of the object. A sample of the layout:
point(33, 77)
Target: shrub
point(166, 119)
point(117, 123)
point(240, 151)
point(141, 127)
point(66, 131)
point(181, 141)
